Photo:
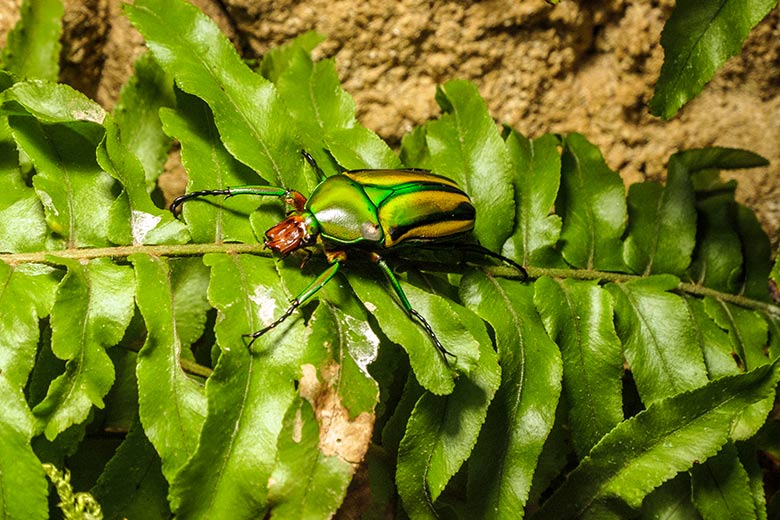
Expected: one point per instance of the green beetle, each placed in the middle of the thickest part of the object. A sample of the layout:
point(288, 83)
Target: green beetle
point(373, 211)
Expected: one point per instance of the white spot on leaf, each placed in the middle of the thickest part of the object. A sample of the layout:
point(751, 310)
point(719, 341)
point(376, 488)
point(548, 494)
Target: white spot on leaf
point(266, 306)
point(363, 344)
point(141, 224)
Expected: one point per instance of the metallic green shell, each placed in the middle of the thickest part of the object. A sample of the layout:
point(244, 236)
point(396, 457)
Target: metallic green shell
point(385, 208)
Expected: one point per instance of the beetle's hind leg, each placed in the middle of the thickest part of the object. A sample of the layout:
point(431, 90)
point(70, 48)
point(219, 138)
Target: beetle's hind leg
point(476, 248)
point(408, 306)
point(481, 250)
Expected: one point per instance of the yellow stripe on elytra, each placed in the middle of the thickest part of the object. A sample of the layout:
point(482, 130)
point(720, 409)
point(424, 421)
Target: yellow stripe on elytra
point(394, 178)
point(435, 230)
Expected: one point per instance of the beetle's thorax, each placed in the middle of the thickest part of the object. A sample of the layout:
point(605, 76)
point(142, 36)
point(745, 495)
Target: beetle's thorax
point(299, 229)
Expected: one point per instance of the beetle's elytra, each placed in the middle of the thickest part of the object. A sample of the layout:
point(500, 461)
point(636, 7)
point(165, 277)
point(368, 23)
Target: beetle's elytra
point(368, 210)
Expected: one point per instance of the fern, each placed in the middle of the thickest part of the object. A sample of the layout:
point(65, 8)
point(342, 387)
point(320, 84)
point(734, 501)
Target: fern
point(640, 356)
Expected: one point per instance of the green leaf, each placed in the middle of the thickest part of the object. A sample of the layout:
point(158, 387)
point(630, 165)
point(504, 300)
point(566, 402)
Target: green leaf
point(75, 192)
point(712, 340)
point(457, 328)
point(209, 166)
point(658, 337)
point(554, 457)
point(277, 60)
point(248, 393)
point(52, 103)
point(132, 484)
point(252, 120)
point(134, 219)
point(26, 295)
point(671, 435)
point(442, 432)
point(748, 458)
point(316, 100)
point(717, 157)
point(324, 114)
point(22, 226)
point(718, 260)
point(300, 460)
point(23, 486)
point(662, 223)
point(578, 317)
point(523, 410)
point(395, 428)
point(359, 148)
point(671, 501)
point(748, 336)
point(93, 307)
point(718, 257)
point(720, 486)
point(592, 204)
point(172, 406)
point(536, 167)
point(137, 115)
point(414, 149)
point(756, 253)
point(32, 49)
point(747, 331)
point(121, 401)
point(465, 145)
point(341, 325)
point(698, 38)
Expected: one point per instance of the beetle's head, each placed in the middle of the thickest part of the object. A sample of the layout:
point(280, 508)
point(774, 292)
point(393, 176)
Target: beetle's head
point(298, 230)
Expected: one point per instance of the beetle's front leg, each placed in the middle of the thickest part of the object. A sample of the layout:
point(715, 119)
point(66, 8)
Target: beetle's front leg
point(291, 197)
point(312, 289)
point(408, 306)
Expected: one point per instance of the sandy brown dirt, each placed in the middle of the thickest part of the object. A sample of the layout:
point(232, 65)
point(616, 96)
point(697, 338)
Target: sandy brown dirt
point(587, 68)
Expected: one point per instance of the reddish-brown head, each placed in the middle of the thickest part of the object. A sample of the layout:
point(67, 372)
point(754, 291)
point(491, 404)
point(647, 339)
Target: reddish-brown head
point(294, 232)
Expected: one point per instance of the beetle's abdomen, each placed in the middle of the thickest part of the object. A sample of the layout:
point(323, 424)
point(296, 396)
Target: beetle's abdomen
point(415, 205)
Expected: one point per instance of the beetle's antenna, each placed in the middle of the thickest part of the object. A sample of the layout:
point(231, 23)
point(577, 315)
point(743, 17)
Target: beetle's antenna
point(178, 201)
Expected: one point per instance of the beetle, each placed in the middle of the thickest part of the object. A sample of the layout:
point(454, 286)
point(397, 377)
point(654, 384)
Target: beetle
point(369, 211)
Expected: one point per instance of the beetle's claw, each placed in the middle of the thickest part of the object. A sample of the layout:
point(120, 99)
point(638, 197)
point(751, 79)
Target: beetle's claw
point(178, 201)
point(444, 352)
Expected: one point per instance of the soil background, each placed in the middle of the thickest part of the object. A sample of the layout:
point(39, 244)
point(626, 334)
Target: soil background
point(586, 67)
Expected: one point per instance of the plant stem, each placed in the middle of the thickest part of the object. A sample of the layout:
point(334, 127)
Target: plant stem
point(49, 257)
point(178, 250)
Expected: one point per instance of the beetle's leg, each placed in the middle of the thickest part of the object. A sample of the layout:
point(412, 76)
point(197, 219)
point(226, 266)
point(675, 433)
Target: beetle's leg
point(295, 199)
point(313, 164)
point(317, 284)
point(292, 197)
point(476, 248)
point(306, 258)
point(408, 306)
point(178, 201)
